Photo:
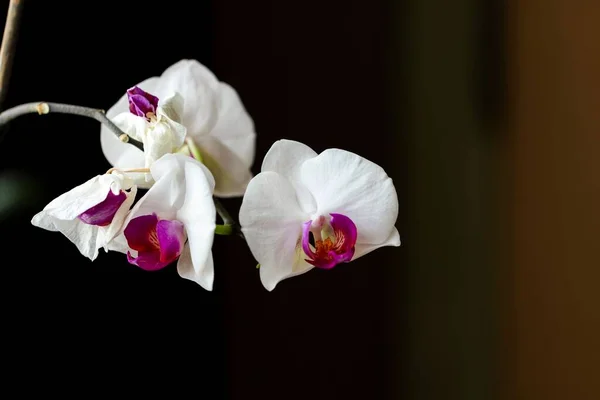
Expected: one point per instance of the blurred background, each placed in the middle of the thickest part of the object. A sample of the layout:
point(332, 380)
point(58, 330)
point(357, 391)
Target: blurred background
point(484, 113)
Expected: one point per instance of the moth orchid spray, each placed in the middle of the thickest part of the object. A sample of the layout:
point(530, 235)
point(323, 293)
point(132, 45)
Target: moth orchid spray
point(183, 139)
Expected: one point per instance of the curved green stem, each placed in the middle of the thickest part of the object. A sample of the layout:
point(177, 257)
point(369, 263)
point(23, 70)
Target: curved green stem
point(224, 229)
point(229, 226)
point(223, 213)
point(194, 150)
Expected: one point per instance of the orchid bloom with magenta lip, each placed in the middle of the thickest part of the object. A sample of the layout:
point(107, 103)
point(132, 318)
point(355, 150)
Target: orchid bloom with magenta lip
point(174, 220)
point(154, 123)
point(215, 119)
point(306, 210)
point(91, 214)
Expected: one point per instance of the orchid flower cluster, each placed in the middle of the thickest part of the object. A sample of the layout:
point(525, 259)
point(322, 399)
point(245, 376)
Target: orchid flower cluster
point(303, 210)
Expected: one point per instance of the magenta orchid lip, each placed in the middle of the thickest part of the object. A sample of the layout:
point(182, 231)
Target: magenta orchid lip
point(335, 248)
point(103, 213)
point(158, 242)
point(141, 103)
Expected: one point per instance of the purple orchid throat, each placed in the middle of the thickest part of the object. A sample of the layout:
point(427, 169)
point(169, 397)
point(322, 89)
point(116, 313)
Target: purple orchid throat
point(333, 248)
point(141, 103)
point(158, 242)
point(103, 213)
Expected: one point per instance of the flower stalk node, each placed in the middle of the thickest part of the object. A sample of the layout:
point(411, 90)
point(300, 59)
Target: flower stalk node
point(43, 108)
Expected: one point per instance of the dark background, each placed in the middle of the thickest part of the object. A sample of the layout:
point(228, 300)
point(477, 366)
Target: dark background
point(484, 113)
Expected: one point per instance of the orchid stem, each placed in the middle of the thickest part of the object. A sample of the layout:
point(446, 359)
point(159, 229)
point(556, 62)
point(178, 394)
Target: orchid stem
point(229, 226)
point(224, 229)
point(9, 42)
point(223, 213)
point(45, 108)
point(194, 149)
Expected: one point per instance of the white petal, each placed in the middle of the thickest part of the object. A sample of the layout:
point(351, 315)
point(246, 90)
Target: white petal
point(169, 114)
point(170, 162)
point(271, 221)
point(198, 216)
point(203, 276)
point(84, 236)
point(163, 198)
point(230, 173)
point(235, 127)
point(132, 125)
point(117, 153)
point(171, 107)
point(69, 205)
point(160, 139)
point(286, 158)
point(343, 182)
point(363, 248)
point(198, 87)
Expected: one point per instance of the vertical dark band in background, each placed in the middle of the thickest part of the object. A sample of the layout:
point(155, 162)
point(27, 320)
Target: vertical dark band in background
point(446, 77)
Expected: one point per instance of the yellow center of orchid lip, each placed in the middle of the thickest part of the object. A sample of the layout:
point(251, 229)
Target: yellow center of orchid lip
point(153, 239)
point(329, 241)
point(151, 117)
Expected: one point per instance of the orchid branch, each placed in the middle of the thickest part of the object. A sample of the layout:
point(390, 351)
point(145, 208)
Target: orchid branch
point(224, 229)
point(229, 226)
point(223, 213)
point(193, 149)
point(45, 108)
point(9, 41)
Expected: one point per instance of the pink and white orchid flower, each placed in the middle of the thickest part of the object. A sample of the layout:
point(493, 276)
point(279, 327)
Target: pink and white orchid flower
point(91, 214)
point(153, 122)
point(215, 119)
point(306, 210)
point(174, 220)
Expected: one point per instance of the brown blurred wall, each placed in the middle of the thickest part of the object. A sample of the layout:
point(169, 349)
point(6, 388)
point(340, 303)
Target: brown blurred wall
point(553, 313)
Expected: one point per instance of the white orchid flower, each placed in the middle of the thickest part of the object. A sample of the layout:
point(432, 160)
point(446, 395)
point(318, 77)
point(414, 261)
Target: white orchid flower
point(155, 124)
point(91, 214)
point(216, 122)
point(306, 210)
point(174, 220)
